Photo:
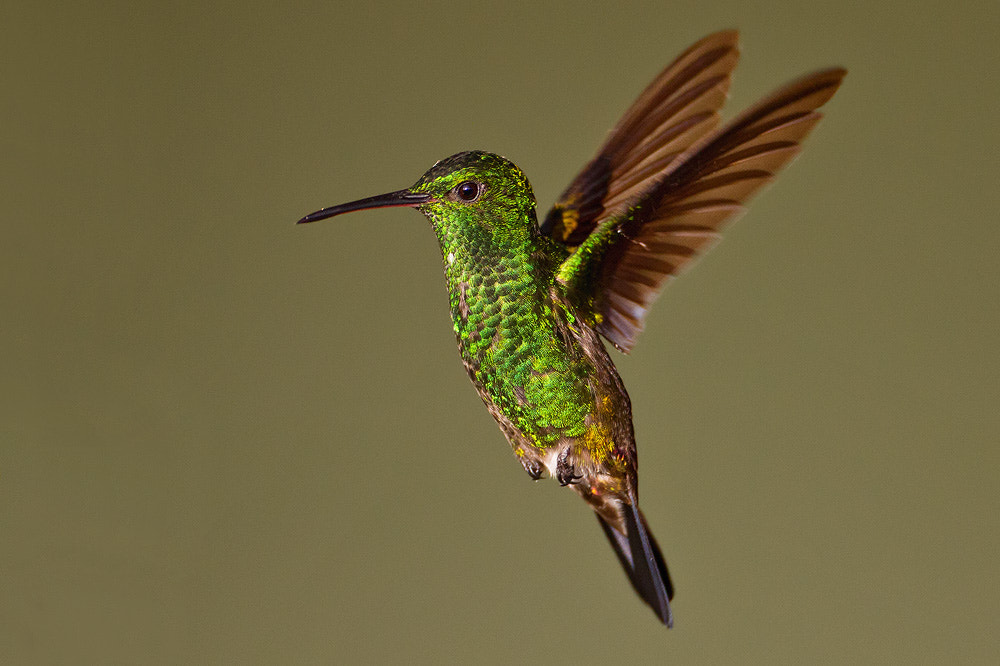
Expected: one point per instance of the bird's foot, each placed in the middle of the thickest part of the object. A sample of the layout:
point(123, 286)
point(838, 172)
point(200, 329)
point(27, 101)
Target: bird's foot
point(534, 468)
point(565, 472)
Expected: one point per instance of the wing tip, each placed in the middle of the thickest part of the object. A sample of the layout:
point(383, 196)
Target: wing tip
point(730, 36)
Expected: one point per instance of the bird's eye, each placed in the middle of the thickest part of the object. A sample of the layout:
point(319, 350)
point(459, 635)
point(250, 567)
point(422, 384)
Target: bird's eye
point(468, 191)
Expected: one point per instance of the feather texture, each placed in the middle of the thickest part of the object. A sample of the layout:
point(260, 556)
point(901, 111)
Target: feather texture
point(679, 107)
point(662, 220)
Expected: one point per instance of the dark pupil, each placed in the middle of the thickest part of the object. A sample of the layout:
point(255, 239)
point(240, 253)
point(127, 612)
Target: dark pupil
point(468, 191)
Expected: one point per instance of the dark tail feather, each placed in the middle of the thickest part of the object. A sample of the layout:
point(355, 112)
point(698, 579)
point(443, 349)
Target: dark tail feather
point(643, 562)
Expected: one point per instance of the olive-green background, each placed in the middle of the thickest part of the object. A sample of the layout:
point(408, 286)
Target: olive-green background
point(227, 439)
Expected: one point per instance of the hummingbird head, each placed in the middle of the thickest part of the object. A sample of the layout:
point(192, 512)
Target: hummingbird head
point(478, 188)
point(474, 189)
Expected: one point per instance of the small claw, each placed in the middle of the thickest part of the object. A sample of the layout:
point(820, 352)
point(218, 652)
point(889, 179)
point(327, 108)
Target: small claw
point(534, 469)
point(569, 480)
point(565, 473)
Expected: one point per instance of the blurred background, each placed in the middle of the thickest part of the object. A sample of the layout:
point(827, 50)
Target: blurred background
point(228, 439)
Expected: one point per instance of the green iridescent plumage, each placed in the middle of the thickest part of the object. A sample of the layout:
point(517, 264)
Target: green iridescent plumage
point(529, 302)
point(500, 275)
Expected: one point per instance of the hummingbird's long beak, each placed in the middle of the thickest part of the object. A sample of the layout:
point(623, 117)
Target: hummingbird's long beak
point(390, 200)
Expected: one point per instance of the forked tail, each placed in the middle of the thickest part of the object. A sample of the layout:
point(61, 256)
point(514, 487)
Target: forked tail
point(642, 560)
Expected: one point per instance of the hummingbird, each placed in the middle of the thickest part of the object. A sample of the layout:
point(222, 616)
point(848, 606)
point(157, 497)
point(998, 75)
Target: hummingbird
point(530, 303)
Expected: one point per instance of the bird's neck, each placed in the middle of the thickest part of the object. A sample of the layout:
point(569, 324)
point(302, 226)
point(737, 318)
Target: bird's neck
point(509, 260)
point(500, 287)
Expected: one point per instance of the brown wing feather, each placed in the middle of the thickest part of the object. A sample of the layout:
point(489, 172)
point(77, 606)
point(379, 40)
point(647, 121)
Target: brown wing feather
point(677, 109)
point(679, 217)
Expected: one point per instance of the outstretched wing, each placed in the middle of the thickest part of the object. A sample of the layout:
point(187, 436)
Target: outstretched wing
point(679, 107)
point(620, 269)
